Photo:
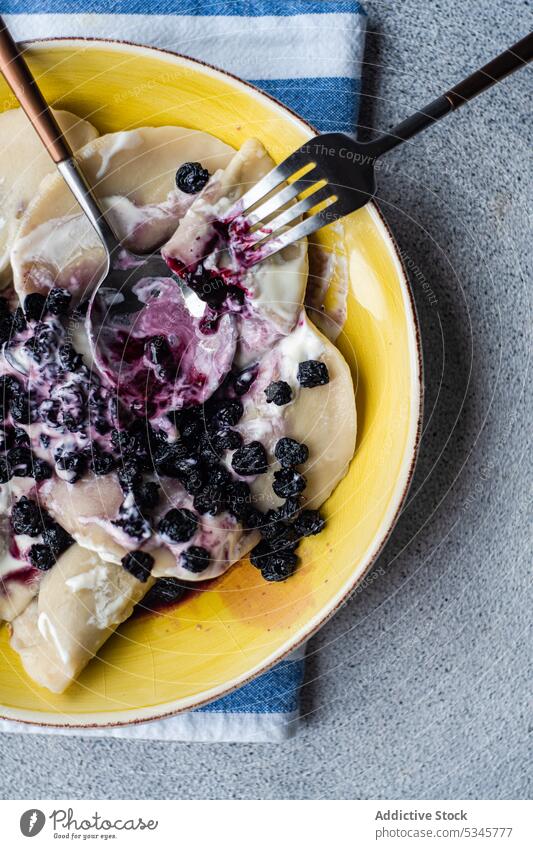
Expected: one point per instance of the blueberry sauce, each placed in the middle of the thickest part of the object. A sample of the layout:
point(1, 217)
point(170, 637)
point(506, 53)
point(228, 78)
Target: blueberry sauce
point(162, 419)
point(168, 357)
point(25, 575)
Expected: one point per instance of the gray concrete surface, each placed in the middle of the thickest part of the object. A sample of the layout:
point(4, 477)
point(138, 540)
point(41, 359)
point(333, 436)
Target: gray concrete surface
point(418, 688)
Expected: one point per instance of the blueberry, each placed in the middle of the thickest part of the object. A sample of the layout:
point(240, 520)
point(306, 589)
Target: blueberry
point(43, 344)
point(69, 357)
point(80, 311)
point(156, 438)
point(19, 321)
point(192, 480)
point(289, 452)
point(72, 464)
point(211, 288)
point(189, 423)
point(243, 381)
point(283, 539)
point(133, 523)
point(288, 483)
point(146, 495)
point(312, 373)
point(5, 470)
point(289, 508)
point(278, 392)
point(147, 439)
point(308, 523)
point(11, 387)
point(279, 566)
point(140, 434)
point(41, 470)
point(191, 433)
point(178, 525)
point(236, 294)
point(218, 476)
point(34, 305)
point(237, 498)
point(272, 526)
point(23, 409)
point(7, 437)
point(27, 517)
point(206, 449)
point(175, 460)
point(57, 539)
point(101, 462)
point(222, 414)
point(251, 459)
point(279, 535)
point(21, 438)
point(129, 475)
point(100, 424)
point(139, 564)
point(191, 178)
point(123, 443)
point(170, 458)
point(48, 412)
point(250, 517)
point(260, 554)
point(208, 500)
point(164, 591)
point(227, 440)
point(19, 460)
point(20, 401)
point(195, 559)
point(6, 328)
point(58, 301)
point(73, 406)
point(72, 422)
point(102, 409)
point(41, 557)
point(210, 320)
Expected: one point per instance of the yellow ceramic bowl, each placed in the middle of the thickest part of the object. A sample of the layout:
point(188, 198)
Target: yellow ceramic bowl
point(239, 625)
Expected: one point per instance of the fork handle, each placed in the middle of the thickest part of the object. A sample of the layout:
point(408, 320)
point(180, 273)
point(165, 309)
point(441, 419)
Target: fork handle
point(21, 80)
point(510, 60)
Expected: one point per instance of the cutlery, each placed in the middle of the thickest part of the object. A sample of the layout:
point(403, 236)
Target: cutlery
point(123, 269)
point(337, 175)
point(334, 173)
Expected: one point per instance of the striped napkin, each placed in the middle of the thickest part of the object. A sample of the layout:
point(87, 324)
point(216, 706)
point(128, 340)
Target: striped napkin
point(308, 54)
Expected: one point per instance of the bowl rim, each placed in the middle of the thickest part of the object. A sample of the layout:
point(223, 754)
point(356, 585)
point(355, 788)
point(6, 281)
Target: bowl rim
point(404, 478)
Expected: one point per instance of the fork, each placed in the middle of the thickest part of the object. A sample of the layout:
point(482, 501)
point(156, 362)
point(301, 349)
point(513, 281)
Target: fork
point(332, 175)
point(122, 268)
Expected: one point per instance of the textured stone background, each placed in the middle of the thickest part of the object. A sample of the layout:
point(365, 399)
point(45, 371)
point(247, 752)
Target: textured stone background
point(418, 688)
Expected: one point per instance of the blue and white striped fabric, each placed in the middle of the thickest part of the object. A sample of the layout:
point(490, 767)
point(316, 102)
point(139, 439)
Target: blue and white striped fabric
point(308, 54)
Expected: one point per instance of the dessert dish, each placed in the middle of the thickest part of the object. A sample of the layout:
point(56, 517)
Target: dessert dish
point(230, 422)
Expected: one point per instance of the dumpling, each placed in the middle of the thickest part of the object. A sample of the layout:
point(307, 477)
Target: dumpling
point(132, 173)
point(23, 165)
point(80, 603)
point(323, 418)
point(274, 289)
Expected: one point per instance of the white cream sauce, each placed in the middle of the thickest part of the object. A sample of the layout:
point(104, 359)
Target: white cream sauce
point(108, 605)
point(50, 635)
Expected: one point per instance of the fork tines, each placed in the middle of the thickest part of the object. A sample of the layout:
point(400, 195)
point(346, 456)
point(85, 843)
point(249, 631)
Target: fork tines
point(268, 213)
